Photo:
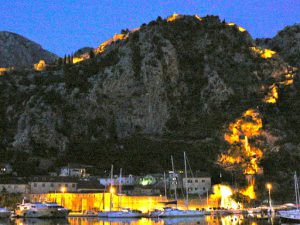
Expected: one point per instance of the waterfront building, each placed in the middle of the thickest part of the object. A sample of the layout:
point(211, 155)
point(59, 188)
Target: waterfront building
point(74, 171)
point(128, 180)
point(16, 186)
point(197, 185)
point(43, 184)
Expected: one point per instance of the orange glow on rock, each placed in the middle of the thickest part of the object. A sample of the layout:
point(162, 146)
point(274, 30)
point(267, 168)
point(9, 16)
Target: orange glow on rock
point(224, 193)
point(198, 17)
point(40, 66)
point(116, 37)
point(175, 16)
point(247, 127)
point(272, 96)
point(264, 53)
point(241, 29)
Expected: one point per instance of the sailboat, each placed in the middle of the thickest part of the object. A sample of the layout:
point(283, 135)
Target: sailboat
point(292, 214)
point(121, 213)
point(175, 212)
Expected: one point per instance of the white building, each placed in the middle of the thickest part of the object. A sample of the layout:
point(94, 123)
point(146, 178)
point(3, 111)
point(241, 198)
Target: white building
point(126, 180)
point(40, 185)
point(74, 171)
point(14, 187)
point(197, 185)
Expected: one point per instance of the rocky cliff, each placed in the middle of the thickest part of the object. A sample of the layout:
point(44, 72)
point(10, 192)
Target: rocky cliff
point(18, 51)
point(286, 43)
point(174, 85)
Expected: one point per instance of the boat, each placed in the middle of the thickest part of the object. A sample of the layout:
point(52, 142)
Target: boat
point(4, 213)
point(121, 213)
point(292, 215)
point(88, 213)
point(125, 213)
point(59, 211)
point(175, 212)
point(34, 210)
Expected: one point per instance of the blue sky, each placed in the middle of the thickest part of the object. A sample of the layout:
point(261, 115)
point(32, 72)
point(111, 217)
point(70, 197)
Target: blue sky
point(63, 26)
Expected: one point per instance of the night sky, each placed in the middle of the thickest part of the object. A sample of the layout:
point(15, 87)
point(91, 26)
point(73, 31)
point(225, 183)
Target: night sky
point(63, 26)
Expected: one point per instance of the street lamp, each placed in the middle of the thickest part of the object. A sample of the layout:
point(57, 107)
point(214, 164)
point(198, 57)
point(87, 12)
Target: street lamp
point(269, 187)
point(112, 190)
point(63, 189)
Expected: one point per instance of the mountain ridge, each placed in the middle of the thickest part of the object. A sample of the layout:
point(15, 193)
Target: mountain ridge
point(18, 51)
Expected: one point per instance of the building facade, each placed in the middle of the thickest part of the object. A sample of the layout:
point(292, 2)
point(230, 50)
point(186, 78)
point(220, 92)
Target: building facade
point(39, 185)
point(197, 185)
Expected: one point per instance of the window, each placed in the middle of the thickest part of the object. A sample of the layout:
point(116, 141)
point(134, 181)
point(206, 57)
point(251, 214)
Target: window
point(66, 185)
point(34, 185)
point(204, 189)
point(196, 181)
point(203, 181)
point(43, 185)
point(51, 185)
point(73, 185)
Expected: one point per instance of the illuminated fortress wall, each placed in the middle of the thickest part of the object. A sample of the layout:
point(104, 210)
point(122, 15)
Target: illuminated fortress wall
point(100, 201)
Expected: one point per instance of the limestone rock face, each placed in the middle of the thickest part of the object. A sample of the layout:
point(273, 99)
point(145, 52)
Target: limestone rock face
point(18, 51)
point(287, 43)
point(168, 86)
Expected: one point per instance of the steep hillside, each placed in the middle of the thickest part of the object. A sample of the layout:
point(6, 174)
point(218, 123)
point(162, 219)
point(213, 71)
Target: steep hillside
point(286, 43)
point(16, 51)
point(182, 84)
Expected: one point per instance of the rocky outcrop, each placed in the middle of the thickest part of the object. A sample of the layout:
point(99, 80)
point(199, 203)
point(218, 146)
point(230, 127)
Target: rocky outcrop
point(161, 89)
point(18, 51)
point(286, 43)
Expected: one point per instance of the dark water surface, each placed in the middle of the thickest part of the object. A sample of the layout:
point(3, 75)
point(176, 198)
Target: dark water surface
point(207, 220)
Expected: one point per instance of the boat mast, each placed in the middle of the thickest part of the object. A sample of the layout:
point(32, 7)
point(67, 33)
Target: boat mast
point(111, 187)
point(175, 190)
point(120, 188)
point(296, 189)
point(186, 177)
point(165, 184)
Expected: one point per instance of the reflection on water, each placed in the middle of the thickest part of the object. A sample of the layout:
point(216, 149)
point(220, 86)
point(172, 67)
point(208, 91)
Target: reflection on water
point(208, 220)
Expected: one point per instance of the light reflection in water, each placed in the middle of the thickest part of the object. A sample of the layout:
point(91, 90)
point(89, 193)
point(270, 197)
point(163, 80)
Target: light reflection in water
point(208, 220)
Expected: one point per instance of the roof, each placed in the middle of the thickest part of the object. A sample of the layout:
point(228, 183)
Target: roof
point(13, 180)
point(53, 179)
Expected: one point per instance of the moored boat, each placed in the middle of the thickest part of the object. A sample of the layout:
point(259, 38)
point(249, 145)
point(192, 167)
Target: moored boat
point(59, 211)
point(4, 213)
point(34, 210)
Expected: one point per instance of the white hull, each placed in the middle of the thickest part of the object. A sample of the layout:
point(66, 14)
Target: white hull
point(123, 214)
point(181, 213)
point(4, 214)
point(34, 213)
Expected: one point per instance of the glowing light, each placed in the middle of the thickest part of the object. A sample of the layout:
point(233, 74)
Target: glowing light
point(40, 66)
point(249, 191)
point(269, 186)
point(3, 70)
point(112, 190)
point(63, 189)
point(116, 37)
point(198, 17)
point(272, 96)
point(224, 194)
point(241, 29)
point(77, 59)
point(175, 16)
point(264, 53)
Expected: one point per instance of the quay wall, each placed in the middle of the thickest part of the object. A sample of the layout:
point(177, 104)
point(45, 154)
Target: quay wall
point(101, 201)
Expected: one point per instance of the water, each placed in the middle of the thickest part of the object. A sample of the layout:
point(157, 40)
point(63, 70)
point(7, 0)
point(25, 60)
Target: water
point(208, 220)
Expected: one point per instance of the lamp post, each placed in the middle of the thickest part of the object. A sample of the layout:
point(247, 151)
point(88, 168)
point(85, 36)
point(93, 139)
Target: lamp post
point(269, 187)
